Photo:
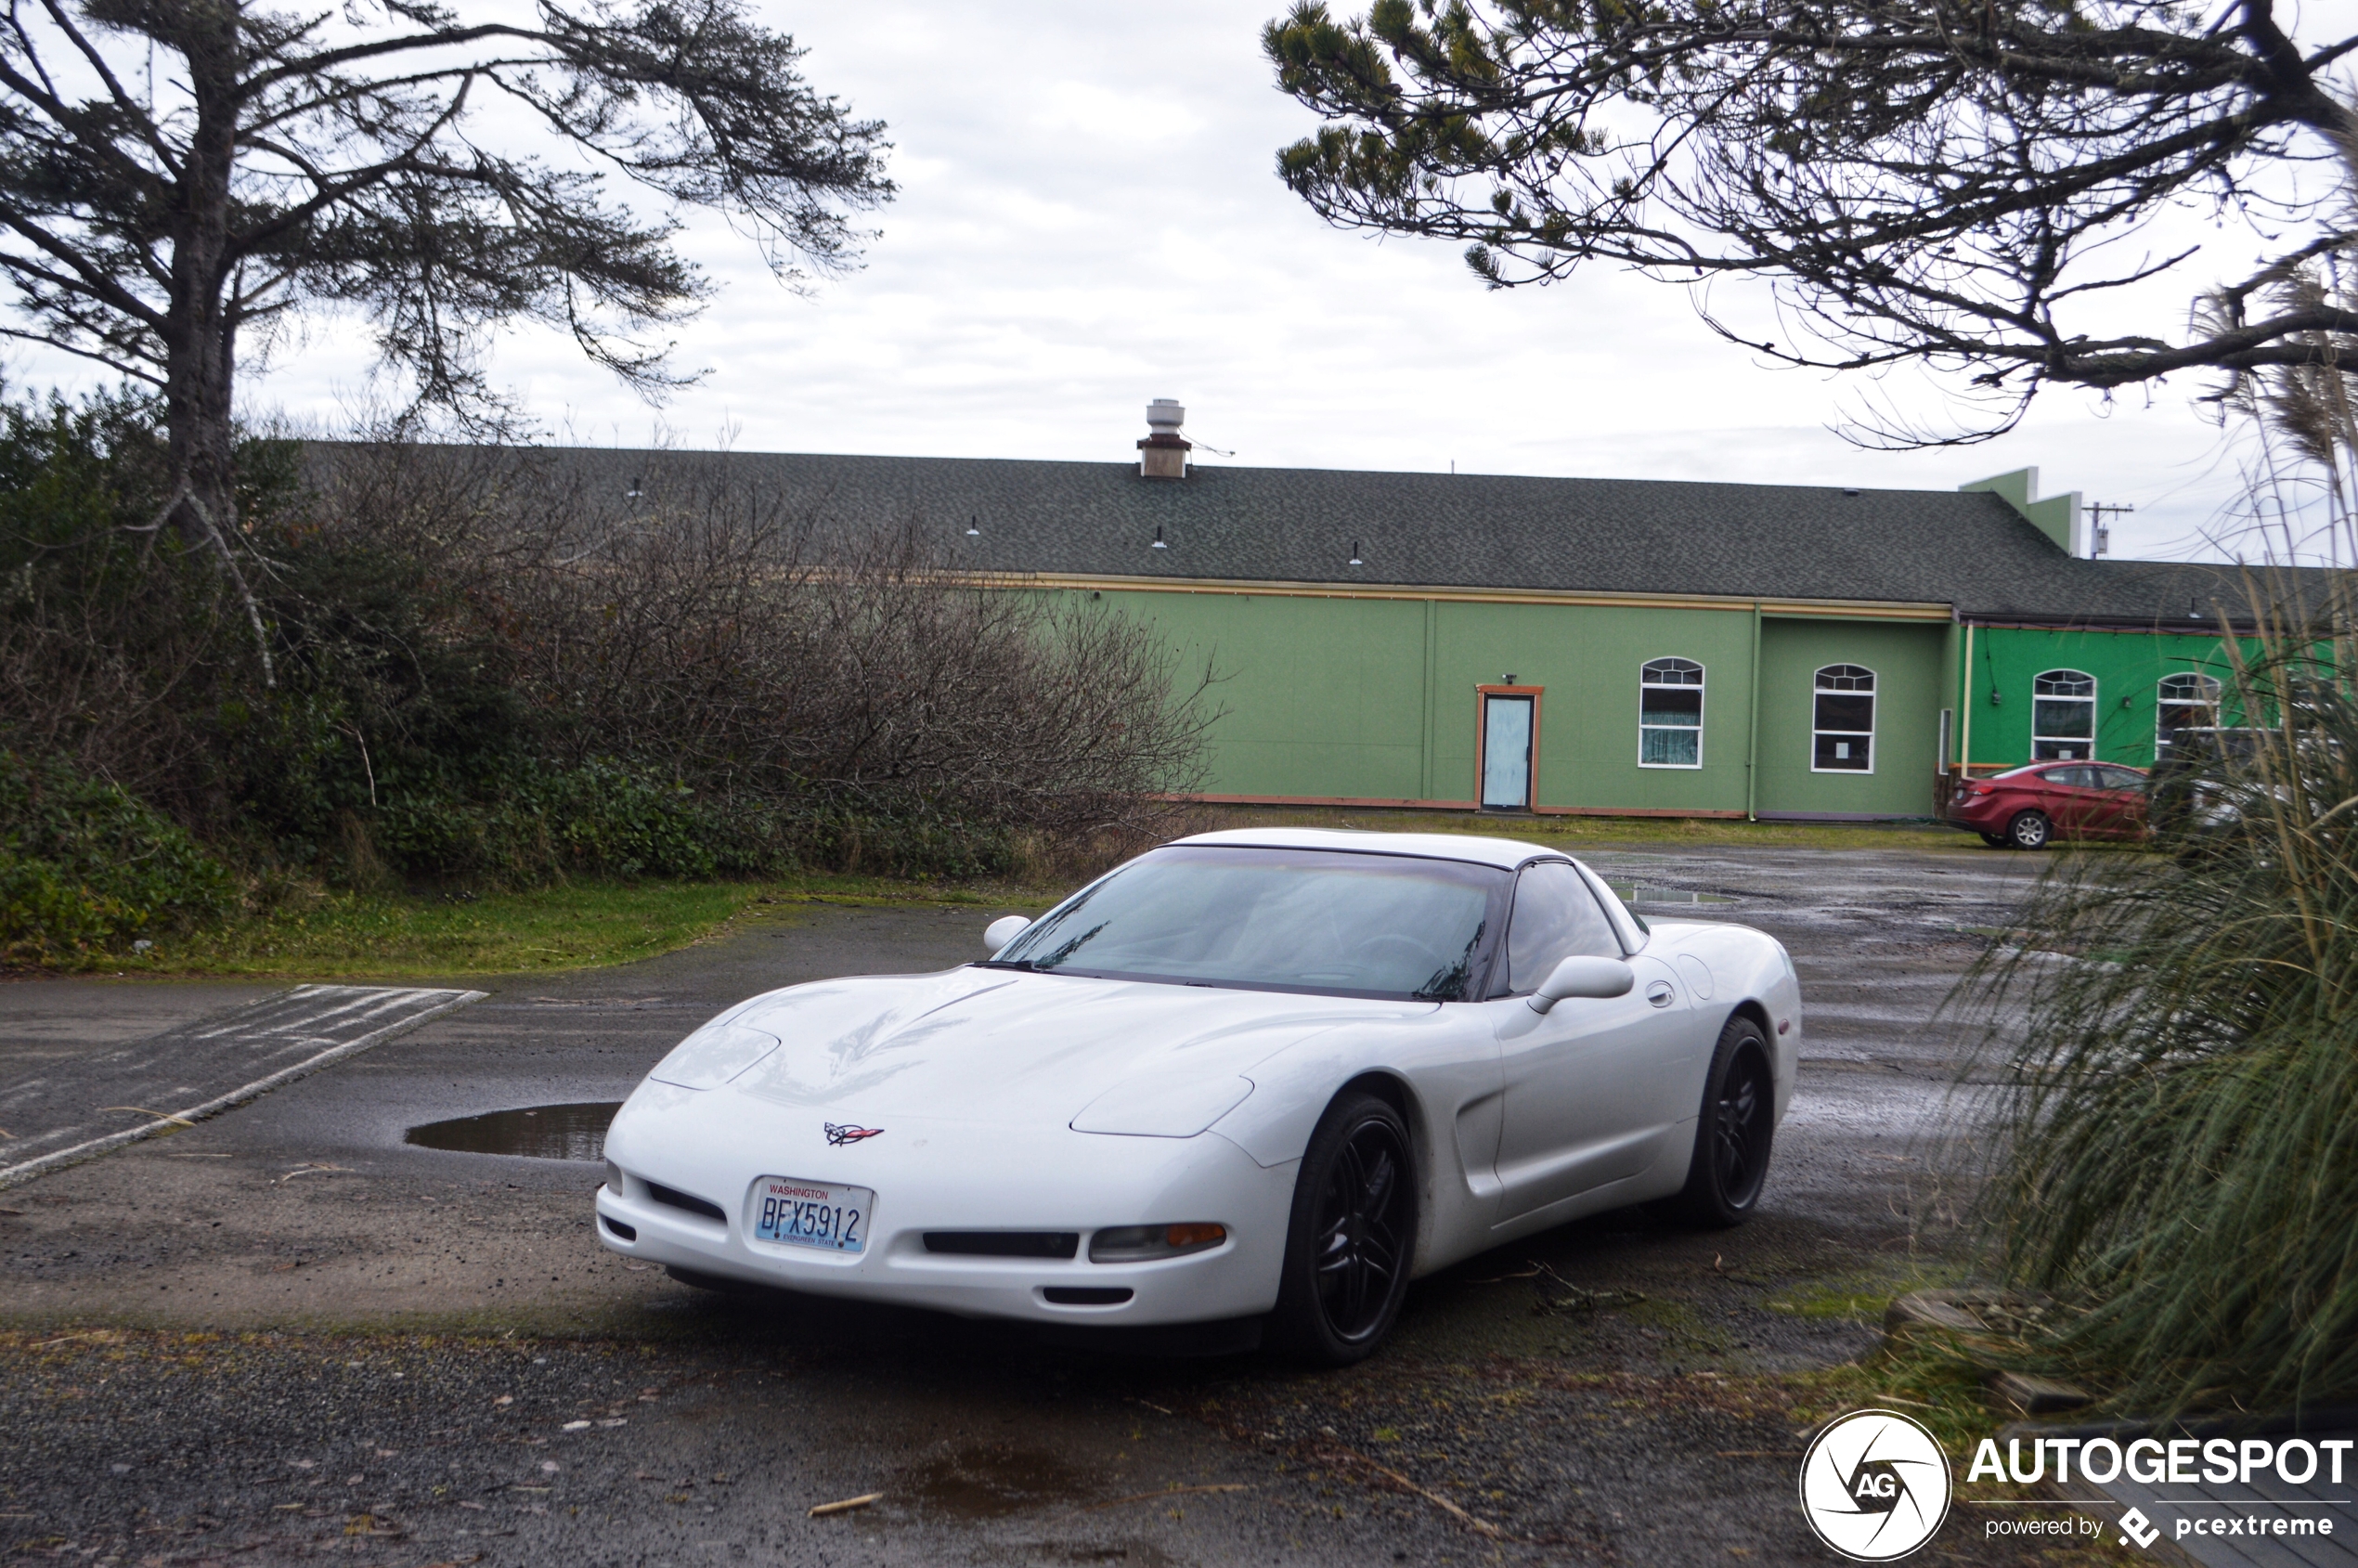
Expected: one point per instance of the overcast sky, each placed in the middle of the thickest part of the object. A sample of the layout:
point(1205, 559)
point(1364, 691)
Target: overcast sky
point(1088, 219)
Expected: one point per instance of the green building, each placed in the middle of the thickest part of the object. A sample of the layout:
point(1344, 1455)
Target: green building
point(1567, 645)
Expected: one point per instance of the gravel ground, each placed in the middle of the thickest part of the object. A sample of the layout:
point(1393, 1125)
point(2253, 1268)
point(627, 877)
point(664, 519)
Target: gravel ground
point(285, 1334)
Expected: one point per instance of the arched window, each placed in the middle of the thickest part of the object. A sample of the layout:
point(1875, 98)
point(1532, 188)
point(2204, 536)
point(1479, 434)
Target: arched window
point(1842, 720)
point(2182, 701)
point(2063, 716)
point(1670, 714)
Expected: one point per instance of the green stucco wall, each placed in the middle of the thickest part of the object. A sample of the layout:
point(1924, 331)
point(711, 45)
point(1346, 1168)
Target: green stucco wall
point(2128, 666)
point(1906, 659)
point(1374, 699)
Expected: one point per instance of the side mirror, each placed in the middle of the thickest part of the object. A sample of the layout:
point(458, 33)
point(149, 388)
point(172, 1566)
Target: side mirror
point(1580, 976)
point(1008, 927)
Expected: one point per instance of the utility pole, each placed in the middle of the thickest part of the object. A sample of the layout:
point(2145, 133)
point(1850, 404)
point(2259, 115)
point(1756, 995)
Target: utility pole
point(2096, 510)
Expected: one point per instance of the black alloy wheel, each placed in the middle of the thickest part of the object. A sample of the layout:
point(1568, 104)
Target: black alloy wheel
point(2030, 830)
point(1354, 1234)
point(1734, 1133)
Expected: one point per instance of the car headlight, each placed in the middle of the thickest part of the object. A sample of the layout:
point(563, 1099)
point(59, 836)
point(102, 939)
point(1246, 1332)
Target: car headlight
point(1138, 1244)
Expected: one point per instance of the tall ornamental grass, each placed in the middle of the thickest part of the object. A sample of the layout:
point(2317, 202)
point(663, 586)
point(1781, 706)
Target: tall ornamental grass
point(2177, 1081)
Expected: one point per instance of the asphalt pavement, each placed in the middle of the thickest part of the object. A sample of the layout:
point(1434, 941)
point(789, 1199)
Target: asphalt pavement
point(285, 1333)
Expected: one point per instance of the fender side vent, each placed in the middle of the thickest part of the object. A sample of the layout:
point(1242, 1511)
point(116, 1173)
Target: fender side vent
point(1088, 1295)
point(628, 1233)
point(692, 1203)
point(1004, 1243)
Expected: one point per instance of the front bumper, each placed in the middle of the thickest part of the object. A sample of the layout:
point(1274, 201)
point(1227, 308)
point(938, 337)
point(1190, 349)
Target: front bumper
point(950, 1176)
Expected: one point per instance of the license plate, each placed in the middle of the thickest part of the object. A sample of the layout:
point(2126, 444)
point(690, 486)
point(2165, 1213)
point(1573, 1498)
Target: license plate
point(833, 1219)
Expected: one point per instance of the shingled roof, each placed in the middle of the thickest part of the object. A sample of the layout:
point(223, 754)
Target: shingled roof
point(1969, 550)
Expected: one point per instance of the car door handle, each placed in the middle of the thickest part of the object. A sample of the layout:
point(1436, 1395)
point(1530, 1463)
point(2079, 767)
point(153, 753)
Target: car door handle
point(1661, 994)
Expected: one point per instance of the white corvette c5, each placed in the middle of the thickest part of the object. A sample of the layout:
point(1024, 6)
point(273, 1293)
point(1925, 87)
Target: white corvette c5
point(1251, 1078)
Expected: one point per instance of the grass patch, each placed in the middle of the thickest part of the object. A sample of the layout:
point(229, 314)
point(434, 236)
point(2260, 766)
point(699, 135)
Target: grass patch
point(580, 926)
point(1857, 1298)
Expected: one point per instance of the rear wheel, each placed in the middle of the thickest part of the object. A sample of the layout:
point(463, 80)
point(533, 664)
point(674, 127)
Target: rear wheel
point(1734, 1134)
point(1996, 840)
point(1353, 1234)
point(2030, 830)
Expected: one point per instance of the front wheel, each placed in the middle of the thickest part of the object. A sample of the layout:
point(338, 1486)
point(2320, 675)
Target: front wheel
point(2031, 830)
point(1734, 1134)
point(1353, 1234)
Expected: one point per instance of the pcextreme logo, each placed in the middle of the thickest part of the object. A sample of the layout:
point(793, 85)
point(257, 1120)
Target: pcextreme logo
point(1874, 1486)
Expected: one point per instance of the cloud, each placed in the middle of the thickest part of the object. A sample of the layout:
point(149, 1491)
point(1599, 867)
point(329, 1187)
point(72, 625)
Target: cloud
point(1089, 219)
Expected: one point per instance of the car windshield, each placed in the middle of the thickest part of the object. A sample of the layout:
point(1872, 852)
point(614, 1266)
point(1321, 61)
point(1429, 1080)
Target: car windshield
point(1331, 922)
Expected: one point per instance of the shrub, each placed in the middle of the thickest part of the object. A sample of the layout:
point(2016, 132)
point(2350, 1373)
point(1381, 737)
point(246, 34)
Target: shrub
point(85, 866)
point(478, 669)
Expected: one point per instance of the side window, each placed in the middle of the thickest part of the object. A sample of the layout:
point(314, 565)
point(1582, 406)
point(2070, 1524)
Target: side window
point(1670, 714)
point(2185, 701)
point(2063, 716)
point(1842, 720)
point(1555, 917)
point(2119, 778)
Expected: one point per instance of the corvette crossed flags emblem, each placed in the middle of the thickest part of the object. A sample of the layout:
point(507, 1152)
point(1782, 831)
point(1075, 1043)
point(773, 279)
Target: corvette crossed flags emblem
point(839, 1135)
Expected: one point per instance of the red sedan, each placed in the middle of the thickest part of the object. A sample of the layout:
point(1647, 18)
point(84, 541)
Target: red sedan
point(2027, 807)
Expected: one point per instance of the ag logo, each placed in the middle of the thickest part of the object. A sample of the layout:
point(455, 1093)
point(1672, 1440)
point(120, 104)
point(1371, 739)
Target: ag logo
point(1874, 1486)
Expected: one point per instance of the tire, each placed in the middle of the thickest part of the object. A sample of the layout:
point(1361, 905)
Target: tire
point(1997, 841)
point(1351, 1236)
point(1734, 1130)
point(2030, 830)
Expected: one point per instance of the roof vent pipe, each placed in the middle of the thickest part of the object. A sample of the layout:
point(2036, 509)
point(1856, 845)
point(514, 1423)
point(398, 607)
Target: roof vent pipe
point(1163, 454)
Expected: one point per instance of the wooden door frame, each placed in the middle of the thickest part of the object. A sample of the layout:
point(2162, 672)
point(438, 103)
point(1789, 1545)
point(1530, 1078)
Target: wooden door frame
point(1481, 742)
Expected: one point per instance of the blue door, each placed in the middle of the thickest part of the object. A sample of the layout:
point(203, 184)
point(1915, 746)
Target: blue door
point(1506, 754)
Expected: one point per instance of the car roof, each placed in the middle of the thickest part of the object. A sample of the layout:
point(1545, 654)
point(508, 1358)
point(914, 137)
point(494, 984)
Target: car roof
point(2058, 762)
point(1473, 847)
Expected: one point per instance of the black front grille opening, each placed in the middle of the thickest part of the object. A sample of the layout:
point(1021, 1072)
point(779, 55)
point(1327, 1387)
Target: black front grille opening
point(689, 1201)
point(628, 1233)
point(1004, 1243)
point(1088, 1295)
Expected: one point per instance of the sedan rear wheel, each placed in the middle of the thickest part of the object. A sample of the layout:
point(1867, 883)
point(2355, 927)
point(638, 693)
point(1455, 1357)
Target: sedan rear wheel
point(1735, 1130)
point(1353, 1235)
point(2030, 830)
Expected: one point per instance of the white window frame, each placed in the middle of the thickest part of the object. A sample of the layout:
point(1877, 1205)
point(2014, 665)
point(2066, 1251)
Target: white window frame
point(1671, 664)
point(1874, 717)
point(2088, 741)
point(2163, 700)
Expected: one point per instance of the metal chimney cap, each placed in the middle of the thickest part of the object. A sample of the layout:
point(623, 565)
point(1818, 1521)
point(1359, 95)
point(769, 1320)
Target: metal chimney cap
point(1164, 415)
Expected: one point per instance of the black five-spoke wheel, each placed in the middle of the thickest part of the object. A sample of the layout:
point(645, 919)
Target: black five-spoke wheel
point(1734, 1134)
point(1353, 1235)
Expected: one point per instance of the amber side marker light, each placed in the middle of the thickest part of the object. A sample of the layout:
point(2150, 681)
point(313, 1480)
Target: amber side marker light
point(1134, 1244)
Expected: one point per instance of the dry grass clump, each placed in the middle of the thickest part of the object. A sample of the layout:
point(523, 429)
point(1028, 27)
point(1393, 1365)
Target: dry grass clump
point(2179, 1105)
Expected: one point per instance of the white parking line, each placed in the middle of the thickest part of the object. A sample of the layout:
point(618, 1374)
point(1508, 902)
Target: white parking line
point(316, 1015)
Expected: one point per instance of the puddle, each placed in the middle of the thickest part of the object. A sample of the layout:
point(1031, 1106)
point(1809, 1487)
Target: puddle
point(574, 1131)
point(1647, 893)
point(985, 1482)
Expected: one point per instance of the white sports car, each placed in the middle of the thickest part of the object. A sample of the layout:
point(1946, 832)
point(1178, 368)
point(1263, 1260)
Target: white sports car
point(1248, 1080)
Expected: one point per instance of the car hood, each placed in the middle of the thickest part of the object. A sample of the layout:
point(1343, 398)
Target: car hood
point(987, 1045)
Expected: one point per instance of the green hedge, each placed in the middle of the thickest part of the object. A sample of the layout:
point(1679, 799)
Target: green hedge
point(532, 824)
point(85, 866)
